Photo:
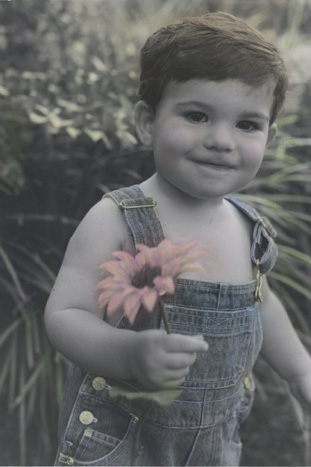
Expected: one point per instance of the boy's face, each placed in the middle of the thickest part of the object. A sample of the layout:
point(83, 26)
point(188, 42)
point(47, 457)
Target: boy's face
point(208, 137)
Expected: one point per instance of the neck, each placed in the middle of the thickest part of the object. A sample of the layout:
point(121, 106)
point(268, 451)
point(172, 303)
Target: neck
point(163, 192)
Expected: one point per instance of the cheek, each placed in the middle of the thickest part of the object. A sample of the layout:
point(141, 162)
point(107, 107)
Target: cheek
point(254, 152)
point(176, 140)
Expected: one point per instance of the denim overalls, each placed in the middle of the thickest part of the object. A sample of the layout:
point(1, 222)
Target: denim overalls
point(202, 426)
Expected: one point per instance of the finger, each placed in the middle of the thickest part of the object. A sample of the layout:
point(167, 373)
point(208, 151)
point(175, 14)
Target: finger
point(174, 375)
point(181, 343)
point(173, 383)
point(180, 374)
point(176, 361)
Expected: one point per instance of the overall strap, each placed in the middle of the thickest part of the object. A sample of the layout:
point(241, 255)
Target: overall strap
point(145, 227)
point(139, 214)
point(264, 250)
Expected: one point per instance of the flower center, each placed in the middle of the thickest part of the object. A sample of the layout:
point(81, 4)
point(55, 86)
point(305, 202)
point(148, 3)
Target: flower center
point(144, 277)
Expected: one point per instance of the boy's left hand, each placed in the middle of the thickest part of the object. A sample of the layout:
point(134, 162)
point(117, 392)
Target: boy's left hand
point(300, 387)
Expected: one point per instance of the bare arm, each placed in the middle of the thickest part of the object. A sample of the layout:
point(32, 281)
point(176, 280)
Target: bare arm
point(282, 347)
point(73, 321)
point(75, 324)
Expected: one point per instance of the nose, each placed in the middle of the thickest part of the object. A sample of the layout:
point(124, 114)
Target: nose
point(219, 137)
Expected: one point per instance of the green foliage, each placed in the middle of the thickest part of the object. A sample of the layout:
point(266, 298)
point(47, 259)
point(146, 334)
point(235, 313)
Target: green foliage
point(68, 82)
point(281, 192)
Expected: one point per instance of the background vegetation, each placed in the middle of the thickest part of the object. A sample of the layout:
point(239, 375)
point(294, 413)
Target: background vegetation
point(68, 82)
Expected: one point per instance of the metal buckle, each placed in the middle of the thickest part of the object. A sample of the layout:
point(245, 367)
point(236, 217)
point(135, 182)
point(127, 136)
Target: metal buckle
point(123, 205)
point(259, 276)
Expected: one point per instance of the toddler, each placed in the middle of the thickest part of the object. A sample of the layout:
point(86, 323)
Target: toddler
point(211, 88)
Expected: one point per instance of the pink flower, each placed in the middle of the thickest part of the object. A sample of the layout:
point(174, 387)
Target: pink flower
point(140, 281)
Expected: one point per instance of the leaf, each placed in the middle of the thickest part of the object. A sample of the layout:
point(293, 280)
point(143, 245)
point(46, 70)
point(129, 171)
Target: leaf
point(295, 254)
point(130, 137)
point(59, 379)
point(33, 75)
point(73, 132)
point(290, 198)
point(162, 397)
point(5, 369)
point(14, 276)
point(28, 75)
point(70, 106)
point(291, 283)
point(40, 368)
point(92, 77)
point(44, 110)
point(58, 122)
point(38, 119)
point(288, 120)
point(99, 64)
point(9, 330)
point(95, 135)
point(4, 92)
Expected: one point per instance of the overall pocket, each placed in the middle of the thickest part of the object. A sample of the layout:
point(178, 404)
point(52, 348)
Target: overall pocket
point(229, 335)
point(99, 433)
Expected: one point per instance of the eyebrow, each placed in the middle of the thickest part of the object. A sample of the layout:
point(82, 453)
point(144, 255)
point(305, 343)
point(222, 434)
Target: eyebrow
point(256, 115)
point(192, 103)
point(202, 105)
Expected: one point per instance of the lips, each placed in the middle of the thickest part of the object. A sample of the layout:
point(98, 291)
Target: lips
point(213, 164)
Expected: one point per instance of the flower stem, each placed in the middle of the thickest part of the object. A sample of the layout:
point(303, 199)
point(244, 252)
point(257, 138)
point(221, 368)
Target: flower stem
point(164, 317)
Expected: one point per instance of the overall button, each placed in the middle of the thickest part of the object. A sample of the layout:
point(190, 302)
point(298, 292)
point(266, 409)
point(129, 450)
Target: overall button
point(248, 383)
point(99, 383)
point(65, 460)
point(86, 417)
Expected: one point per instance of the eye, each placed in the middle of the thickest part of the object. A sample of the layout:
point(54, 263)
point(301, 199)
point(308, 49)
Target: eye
point(196, 117)
point(247, 125)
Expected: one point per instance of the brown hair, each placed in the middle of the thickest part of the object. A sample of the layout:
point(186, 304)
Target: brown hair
point(216, 47)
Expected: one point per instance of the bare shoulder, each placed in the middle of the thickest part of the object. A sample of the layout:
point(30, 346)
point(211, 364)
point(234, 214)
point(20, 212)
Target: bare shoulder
point(241, 221)
point(100, 233)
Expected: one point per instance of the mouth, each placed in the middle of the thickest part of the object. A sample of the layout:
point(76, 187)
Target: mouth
point(214, 166)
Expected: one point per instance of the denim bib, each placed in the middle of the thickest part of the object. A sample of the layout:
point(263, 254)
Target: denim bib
point(202, 426)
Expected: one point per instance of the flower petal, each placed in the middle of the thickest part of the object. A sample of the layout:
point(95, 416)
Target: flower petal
point(144, 251)
point(164, 285)
point(105, 297)
point(115, 268)
point(186, 247)
point(103, 300)
point(127, 261)
point(171, 267)
point(149, 298)
point(132, 305)
point(167, 250)
point(118, 299)
point(112, 283)
point(116, 289)
point(192, 256)
point(141, 260)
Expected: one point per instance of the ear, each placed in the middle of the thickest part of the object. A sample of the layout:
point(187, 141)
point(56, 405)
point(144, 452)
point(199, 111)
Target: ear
point(144, 118)
point(272, 133)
